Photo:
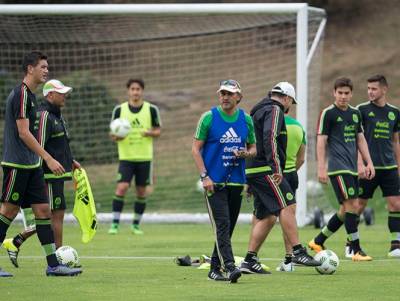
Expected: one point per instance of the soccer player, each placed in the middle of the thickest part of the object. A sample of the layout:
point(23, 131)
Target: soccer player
point(381, 122)
point(135, 152)
point(273, 195)
point(52, 134)
point(23, 180)
point(340, 129)
point(224, 137)
point(295, 156)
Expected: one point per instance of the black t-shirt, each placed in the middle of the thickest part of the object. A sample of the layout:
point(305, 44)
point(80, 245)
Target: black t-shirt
point(342, 128)
point(380, 123)
point(155, 113)
point(20, 104)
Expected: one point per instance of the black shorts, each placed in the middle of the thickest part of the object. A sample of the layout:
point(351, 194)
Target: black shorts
point(345, 187)
point(23, 187)
point(293, 179)
point(141, 170)
point(270, 199)
point(55, 192)
point(387, 180)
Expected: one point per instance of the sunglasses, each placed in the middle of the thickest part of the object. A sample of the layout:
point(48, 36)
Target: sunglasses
point(229, 82)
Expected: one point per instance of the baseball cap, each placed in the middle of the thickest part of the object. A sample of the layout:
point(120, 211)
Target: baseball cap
point(229, 85)
point(285, 88)
point(57, 86)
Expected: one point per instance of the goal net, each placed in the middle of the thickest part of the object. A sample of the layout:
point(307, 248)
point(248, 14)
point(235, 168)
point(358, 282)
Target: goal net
point(181, 58)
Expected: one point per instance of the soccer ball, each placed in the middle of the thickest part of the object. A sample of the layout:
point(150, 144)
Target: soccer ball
point(314, 188)
point(68, 256)
point(120, 127)
point(329, 260)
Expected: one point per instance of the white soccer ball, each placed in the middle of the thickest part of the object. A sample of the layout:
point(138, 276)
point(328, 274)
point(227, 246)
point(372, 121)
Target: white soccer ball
point(199, 186)
point(329, 260)
point(314, 188)
point(68, 256)
point(120, 127)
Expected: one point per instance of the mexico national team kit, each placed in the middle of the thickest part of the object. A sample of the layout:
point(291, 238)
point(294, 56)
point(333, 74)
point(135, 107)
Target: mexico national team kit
point(342, 128)
point(380, 123)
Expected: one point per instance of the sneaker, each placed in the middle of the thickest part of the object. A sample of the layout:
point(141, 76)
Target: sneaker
point(216, 275)
point(62, 270)
point(282, 267)
point(301, 257)
point(252, 267)
point(361, 256)
point(114, 229)
point(394, 253)
point(204, 259)
point(348, 251)
point(136, 230)
point(315, 247)
point(233, 273)
point(12, 251)
point(4, 273)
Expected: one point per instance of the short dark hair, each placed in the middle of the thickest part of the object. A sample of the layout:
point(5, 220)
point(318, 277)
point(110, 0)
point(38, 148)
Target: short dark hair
point(138, 81)
point(381, 79)
point(343, 82)
point(32, 58)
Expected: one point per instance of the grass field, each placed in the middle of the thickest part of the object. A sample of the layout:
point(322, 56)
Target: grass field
point(128, 267)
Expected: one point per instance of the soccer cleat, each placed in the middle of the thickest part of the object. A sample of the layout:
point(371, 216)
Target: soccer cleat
point(136, 230)
point(114, 229)
point(4, 273)
point(348, 251)
point(12, 251)
point(315, 247)
point(361, 256)
point(216, 275)
point(301, 257)
point(233, 273)
point(394, 253)
point(252, 267)
point(62, 270)
point(282, 267)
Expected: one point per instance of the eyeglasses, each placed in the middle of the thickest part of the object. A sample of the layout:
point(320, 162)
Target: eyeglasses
point(230, 82)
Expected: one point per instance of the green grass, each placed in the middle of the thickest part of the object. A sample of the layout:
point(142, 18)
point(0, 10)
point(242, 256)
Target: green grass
point(160, 279)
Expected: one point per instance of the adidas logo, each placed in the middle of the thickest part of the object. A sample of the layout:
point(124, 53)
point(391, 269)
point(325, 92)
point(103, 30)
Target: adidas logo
point(230, 136)
point(136, 123)
point(371, 114)
point(339, 119)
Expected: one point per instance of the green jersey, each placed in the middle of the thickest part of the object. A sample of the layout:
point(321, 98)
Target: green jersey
point(296, 136)
point(205, 121)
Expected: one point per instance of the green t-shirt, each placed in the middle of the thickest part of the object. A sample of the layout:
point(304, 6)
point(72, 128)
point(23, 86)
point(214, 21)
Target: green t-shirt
point(296, 136)
point(205, 121)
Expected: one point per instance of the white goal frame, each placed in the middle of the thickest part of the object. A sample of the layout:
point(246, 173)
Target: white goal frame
point(303, 54)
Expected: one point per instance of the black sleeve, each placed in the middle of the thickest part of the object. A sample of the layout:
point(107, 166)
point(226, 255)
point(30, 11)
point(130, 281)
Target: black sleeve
point(273, 122)
point(20, 104)
point(116, 113)
point(155, 116)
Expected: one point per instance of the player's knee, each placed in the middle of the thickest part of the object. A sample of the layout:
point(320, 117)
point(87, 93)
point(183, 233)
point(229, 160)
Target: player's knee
point(41, 211)
point(8, 210)
point(394, 203)
point(122, 189)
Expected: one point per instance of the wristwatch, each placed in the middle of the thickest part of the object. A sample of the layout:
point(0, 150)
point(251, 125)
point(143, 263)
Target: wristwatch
point(203, 175)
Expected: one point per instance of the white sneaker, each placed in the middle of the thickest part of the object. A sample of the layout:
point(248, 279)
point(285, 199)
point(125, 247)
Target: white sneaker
point(282, 267)
point(348, 252)
point(394, 253)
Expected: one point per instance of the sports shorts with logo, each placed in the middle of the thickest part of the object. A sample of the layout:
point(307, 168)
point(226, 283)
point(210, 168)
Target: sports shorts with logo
point(293, 179)
point(55, 192)
point(269, 198)
point(345, 186)
point(387, 180)
point(23, 187)
point(141, 170)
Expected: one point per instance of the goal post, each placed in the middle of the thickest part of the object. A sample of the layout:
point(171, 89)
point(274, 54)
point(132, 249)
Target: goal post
point(106, 32)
